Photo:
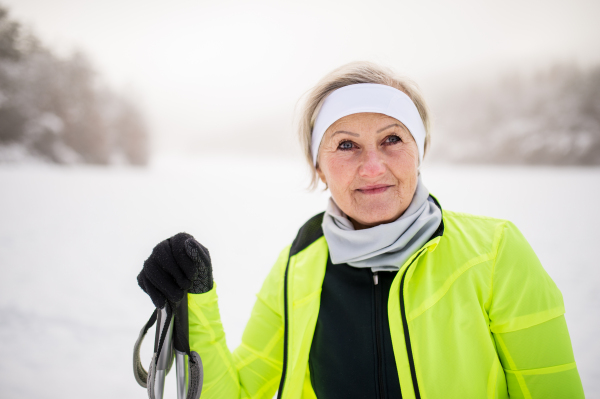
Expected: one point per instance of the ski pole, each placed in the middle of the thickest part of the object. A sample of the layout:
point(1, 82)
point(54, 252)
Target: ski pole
point(181, 317)
point(182, 386)
point(171, 341)
point(165, 357)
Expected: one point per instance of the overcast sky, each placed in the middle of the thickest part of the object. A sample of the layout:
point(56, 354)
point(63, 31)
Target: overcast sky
point(203, 68)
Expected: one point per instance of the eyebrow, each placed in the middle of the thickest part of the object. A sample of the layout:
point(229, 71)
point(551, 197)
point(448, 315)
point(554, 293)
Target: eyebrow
point(387, 127)
point(345, 131)
point(358, 135)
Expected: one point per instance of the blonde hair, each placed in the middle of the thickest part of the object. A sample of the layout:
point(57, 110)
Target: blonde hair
point(349, 74)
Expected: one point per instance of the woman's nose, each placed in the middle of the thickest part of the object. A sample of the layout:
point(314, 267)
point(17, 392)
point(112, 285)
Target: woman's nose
point(372, 165)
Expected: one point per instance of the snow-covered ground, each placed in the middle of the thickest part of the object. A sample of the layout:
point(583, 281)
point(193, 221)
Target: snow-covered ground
point(73, 240)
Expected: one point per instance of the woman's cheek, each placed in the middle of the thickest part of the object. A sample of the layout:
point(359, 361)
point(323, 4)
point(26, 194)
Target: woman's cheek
point(406, 160)
point(343, 172)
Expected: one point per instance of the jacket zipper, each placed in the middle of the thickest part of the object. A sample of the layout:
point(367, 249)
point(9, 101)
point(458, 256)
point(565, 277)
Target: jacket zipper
point(377, 298)
point(404, 324)
point(285, 330)
point(406, 333)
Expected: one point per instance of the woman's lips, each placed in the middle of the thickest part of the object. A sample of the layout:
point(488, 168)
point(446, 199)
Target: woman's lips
point(374, 189)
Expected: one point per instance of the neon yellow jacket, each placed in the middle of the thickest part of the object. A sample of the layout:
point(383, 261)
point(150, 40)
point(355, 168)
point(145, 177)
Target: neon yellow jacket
point(484, 320)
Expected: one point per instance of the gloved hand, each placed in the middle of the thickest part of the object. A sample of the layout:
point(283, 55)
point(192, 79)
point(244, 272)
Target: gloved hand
point(177, 265)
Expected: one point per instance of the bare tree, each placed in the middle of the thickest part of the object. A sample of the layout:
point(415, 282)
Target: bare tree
point(57, 109)
point(548, 117)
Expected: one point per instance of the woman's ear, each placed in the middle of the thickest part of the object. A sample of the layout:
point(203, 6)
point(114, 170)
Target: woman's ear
point(322, 177)
point(321, 174)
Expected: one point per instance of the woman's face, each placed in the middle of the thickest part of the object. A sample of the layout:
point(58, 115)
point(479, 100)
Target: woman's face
point(370, 163)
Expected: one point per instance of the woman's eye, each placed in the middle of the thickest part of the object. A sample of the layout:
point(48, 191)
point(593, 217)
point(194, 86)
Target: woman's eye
point(346, 145)
point(392, 140)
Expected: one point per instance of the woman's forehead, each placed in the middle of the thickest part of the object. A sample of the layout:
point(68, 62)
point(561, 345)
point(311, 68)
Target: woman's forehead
point(365, 120)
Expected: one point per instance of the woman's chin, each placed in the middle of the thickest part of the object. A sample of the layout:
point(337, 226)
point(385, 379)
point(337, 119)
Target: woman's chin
point(375, 211)
point(372, 219)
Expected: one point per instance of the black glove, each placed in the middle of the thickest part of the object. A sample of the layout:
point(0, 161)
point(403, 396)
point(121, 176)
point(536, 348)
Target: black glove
point(177, 265)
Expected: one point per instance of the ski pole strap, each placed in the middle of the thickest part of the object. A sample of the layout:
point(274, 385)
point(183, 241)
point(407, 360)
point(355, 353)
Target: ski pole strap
point(141, 375)
point(181, 343)
point(181, 336)
point(160, 339)
point(196, 376)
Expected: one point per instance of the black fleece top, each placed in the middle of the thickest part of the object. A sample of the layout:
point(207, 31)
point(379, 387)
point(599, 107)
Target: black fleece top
point(351, 354)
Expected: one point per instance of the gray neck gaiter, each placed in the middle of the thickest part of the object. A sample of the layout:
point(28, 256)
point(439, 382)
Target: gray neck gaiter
point(387, 246)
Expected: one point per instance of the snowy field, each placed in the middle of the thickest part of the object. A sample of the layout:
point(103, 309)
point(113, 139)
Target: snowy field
point(73, 240)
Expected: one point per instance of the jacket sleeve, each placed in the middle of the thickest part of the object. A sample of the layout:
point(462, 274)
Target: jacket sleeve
point(253, 370)
point(528, 324)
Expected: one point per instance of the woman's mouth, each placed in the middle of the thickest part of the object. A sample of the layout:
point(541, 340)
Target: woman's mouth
point(374, 189)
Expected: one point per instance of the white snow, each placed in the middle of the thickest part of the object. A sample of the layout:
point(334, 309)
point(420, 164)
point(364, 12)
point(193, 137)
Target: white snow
point(72, 241)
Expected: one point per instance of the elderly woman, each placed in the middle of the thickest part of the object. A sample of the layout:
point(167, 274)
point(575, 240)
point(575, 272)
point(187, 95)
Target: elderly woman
point(384, 295)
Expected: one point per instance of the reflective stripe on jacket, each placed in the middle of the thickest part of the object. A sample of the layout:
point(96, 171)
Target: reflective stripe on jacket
point(472, 315)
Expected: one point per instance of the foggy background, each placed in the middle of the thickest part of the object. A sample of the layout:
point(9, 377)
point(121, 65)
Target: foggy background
point(226, 75)
point(123, 123)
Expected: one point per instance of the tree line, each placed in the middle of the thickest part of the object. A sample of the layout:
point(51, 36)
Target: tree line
point(547, 117)
point(55, 108)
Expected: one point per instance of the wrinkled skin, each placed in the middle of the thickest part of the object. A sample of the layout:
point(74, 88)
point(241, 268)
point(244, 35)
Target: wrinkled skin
point(370, 163)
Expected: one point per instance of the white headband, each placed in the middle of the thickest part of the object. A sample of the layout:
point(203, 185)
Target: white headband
point(368, 97)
